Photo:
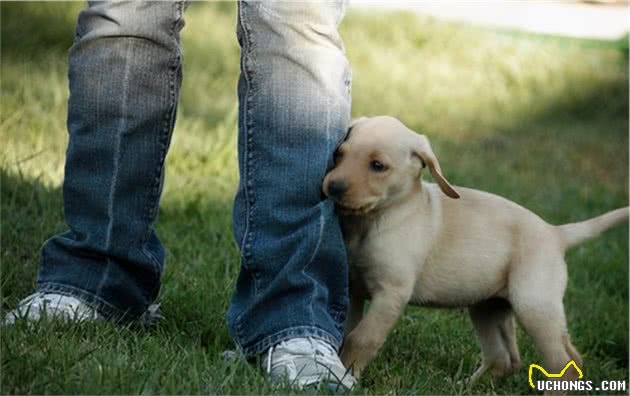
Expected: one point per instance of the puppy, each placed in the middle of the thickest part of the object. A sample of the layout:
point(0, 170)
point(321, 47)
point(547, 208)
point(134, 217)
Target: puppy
point(436, 245)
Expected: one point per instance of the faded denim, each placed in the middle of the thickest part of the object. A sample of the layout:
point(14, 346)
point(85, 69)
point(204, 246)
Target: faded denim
point(125, 74)
point(294, 109)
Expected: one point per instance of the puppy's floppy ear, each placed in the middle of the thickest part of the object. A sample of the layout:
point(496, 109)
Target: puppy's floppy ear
point(422, 149)
point(353, 123)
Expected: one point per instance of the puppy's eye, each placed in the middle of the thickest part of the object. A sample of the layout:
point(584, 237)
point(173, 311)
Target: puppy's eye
point(337, 156)
point(377, 166)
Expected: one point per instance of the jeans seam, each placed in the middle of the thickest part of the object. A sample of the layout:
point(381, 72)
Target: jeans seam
point(245, 50)
point(116, 164)
point(168, 125)
point(248, 164)
point(164, 132)
point(248, 234)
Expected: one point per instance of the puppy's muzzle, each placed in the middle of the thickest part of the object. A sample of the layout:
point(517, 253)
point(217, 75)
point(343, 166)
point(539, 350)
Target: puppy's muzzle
point(336, 189)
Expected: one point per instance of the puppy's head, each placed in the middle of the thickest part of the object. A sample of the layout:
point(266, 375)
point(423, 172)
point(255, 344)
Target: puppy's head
point(380, 162)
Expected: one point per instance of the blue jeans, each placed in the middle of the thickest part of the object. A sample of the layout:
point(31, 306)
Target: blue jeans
point(294, 109)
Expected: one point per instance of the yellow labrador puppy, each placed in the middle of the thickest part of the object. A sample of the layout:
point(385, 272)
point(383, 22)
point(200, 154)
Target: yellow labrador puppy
point(436, 245)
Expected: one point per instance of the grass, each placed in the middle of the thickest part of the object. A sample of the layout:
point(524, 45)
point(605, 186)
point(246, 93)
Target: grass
point(540, 120)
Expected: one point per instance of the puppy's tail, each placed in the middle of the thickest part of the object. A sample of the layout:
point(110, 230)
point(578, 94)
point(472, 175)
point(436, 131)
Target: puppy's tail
point(575, 233)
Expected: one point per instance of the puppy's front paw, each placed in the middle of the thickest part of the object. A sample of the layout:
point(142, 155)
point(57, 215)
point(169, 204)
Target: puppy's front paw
point(357, 351)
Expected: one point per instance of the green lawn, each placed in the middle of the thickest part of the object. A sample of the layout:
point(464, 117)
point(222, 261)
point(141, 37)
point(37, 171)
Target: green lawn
point(540, 120)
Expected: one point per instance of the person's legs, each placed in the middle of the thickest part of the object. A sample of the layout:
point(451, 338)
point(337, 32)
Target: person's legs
point(125, 74)
point(294, 109)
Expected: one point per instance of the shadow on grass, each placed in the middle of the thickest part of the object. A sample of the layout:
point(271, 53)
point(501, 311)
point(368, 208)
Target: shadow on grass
point(31, 29)
point(202, 260)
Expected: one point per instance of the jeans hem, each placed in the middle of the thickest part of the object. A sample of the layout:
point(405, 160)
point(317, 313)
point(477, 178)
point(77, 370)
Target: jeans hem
point(292, 332)
point(101, 306)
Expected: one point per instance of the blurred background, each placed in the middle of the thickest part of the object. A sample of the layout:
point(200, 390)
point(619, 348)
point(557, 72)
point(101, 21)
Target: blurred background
point(525, 99)
point(595, 19)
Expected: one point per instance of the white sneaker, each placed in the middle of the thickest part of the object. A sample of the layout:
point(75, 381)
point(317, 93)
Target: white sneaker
point(302, 362)
point(52, 306)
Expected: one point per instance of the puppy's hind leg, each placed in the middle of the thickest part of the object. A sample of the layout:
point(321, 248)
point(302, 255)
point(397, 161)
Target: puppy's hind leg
point(538, 306)
point(494, 323)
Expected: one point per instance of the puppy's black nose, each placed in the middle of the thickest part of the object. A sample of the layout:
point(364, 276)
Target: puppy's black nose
point(336, 188)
